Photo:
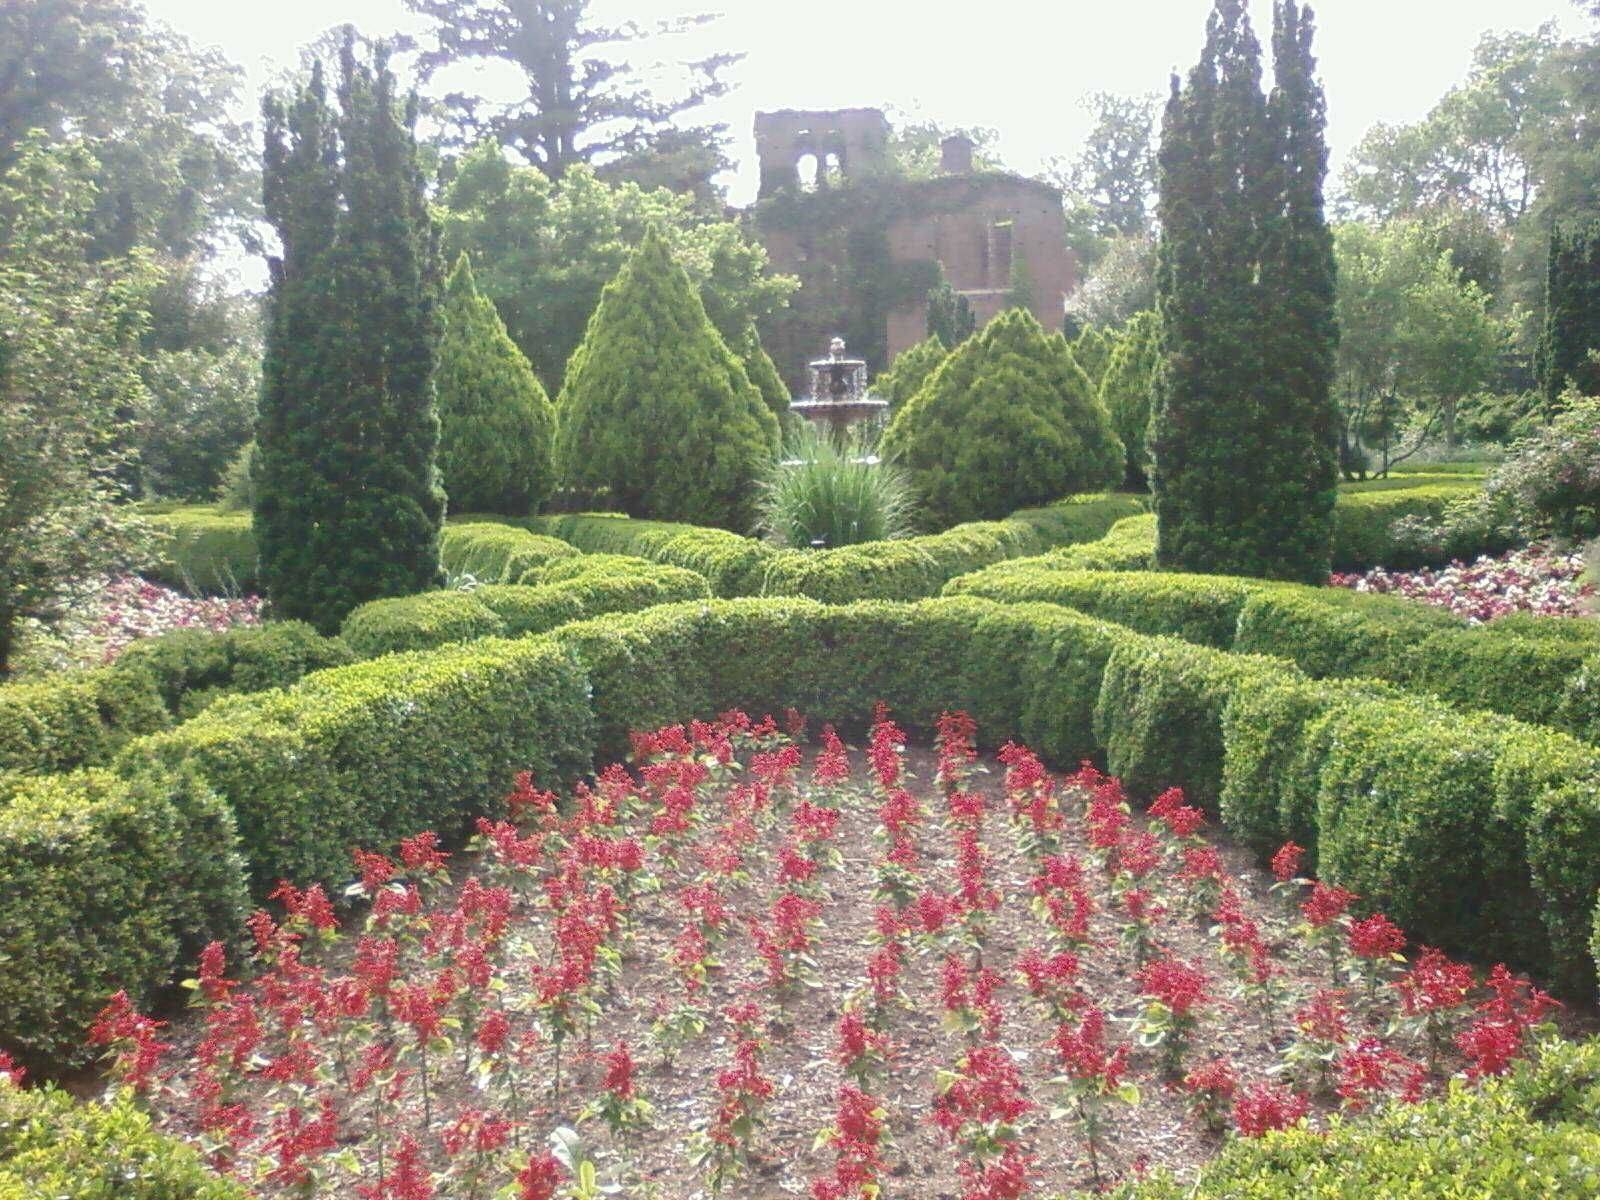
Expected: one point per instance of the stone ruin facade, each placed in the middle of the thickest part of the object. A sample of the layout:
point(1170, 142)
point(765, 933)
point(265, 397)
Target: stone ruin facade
point(975, 225)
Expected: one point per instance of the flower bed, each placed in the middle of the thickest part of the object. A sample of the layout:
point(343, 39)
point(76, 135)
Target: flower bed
point(131, 608)
point(1537, 580)
point(741, 970)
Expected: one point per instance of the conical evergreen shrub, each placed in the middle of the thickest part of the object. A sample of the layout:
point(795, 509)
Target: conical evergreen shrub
point(764, 374)
point(657, 410)
point(496, 424)
point(911, 369)
point(1007, 422)
point(1093, 350)
point(1125, 392)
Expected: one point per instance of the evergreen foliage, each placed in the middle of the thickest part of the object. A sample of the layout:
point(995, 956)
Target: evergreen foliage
point(1125, 392)
point(496, 424)
point(1243, 437)
point(348, 502)
point(1008, 421)
point(950, 317)
point(764, 374)
point(1092, 349)
point(1572, 313)
point(913, 368)
point(657, 409)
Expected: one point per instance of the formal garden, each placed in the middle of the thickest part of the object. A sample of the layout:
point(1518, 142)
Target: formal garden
point(472, 726)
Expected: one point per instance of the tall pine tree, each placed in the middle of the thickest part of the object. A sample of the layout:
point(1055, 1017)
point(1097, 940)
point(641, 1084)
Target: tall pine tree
point(1572, 313)
point(1242, 435)
point(347, 497)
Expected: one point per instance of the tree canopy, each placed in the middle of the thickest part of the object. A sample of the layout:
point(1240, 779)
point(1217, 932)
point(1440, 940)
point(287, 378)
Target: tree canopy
point(69, 392)
point(584, 101)
point(543, 252)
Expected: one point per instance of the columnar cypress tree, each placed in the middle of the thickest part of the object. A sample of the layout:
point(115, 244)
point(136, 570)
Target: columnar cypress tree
point(1008, 421)
point(496, 424)
point(1572, 313)
point(655, 406)
point(764, 374)
point(1242, 437)
point(347, 498)
point(950, 317)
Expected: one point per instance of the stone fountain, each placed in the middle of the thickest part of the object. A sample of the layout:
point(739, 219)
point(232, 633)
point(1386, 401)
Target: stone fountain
point(839, 397)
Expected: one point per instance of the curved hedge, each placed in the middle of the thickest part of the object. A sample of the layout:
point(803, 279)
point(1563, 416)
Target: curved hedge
point(1533, 1133)
point(899, 570)
point(1545, 676)
point(363, 754)
point(492, 552)
point(587, 589)
point(81, 718)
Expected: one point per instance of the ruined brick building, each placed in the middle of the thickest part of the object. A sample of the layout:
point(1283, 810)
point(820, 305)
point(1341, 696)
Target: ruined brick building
point(868, 243)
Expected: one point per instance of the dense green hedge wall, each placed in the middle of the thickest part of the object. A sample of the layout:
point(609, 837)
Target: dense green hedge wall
point(514, 610)
point(1535, 1132)
point(206, 551)
point(363, 755)
point(105, 883)
point(53, 1146)
point(81, 718)
point(492, 552)
point(1364, 526)
point(1541, 673)
point(1402, 796)
point(904, 570)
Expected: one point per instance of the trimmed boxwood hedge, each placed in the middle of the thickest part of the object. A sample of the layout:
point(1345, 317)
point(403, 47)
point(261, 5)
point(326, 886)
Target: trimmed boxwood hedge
point(1459, 824)
point(899, 570)
point(1535, 1132)
point(81, 718)
point(492, 552)
point(1538, 674)
point(366, 754)
point(206, 551)
point(514, 610)
point(53, 1146)
point(105, 883)
point(1363, 534)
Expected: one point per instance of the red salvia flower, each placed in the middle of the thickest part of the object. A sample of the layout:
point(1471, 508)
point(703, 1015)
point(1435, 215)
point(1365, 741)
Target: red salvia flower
point(1264, 1107)
point(1286, 862)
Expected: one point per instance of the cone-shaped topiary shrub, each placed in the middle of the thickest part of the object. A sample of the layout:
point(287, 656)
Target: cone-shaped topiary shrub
point(912, 368)
point(764, 374)
point(657, 409)
point(1125, 391)
point(1008, 421)
point(496, 424)
point(1093, 350)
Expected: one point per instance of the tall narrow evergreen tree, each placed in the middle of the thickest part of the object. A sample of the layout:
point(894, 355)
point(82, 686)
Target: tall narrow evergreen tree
point(1242, 436)
point(496, 424)
point(950, 317)
point(656, 409)
point(1125, 392)
point(347, 498)
point(1572, 313)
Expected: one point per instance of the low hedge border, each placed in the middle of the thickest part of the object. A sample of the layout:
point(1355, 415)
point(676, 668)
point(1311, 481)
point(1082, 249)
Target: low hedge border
point(899, 570)
point(1544, 676)
point(497, 553)
point(587, 589)
point(1535, 1132)
point(81, 718)
point(363, 754)
point(206, 550)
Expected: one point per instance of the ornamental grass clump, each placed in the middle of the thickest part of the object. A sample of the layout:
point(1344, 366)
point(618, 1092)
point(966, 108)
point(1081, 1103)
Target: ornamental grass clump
point(833, 495)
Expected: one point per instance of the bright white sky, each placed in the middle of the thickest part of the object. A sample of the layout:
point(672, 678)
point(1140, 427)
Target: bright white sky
point(1020, 66)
